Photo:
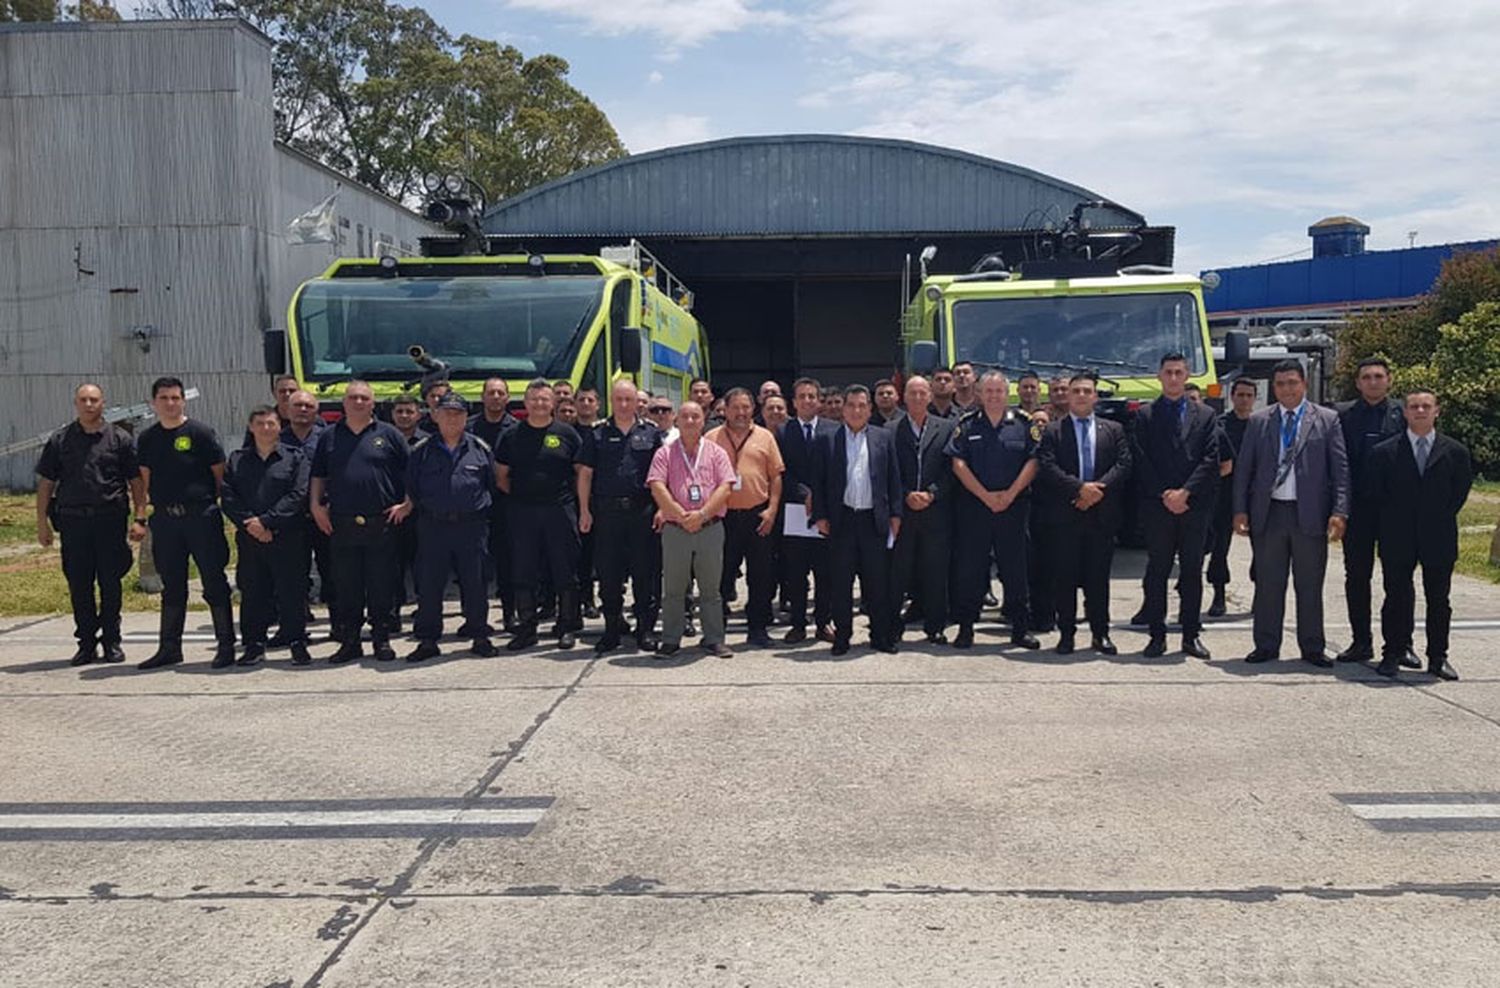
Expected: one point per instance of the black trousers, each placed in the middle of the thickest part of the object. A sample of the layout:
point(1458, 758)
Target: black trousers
point(497, 562)
point(1174, 538)
point(1041, 574)
point(625, 546)
point(586, 565)
point(920, 564)
point(366, 565)
point(856, 547)
point(455, 547)
point(95, 552)
point(407, 539)
point(741, 543)
point(1360, 538)
point(197, 534)
point(980, 536)
point(272, 577)
point(1398, 613)
point(322, 557)
point(544, 542)
point(1221, 536)
point(801, 558)
point(1084, 551)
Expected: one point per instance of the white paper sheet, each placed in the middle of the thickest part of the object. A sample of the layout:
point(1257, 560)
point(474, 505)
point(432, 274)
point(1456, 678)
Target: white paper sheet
point(796, 523)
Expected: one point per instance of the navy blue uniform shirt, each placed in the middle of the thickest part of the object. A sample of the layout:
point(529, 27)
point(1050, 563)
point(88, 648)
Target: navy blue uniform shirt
point(308, 445)
point(365, 472)
point(91, 469)
point(995, 455)
point(446, 481)
point(620, 460)
point(273, 489)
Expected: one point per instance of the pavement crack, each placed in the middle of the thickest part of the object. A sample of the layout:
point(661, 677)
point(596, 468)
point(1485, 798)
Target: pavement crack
point(1429, 692)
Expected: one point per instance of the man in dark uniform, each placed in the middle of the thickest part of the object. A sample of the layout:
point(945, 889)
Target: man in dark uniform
point(1242, 395)
point(616, 506)
point(183, 465)
point(1040, 551)
point(408, 418)
point(358, 486)
point(265, 496)
point(803, 557)
point(449, 477)
point(1367, 421)
point(490, 423)
point(1419, 480)
point(923, 550)
point(539, 462)
point(1176, 459)
point(301, 431)
point(87, 480)
point(993, 452)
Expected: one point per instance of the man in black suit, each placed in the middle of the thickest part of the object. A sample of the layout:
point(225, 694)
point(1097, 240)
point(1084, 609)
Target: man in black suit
point(924, 548)
point(799, 440)
point(1176, 459)
point(1082, 469)
point(857, 505)
point(1367, 421)
point(1418, 479)
point(1242, 395)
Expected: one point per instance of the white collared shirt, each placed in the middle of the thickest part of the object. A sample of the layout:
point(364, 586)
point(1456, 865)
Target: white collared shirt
point(1431, 438)
point(809, 429)
point(1287, 489)
point(857, 494)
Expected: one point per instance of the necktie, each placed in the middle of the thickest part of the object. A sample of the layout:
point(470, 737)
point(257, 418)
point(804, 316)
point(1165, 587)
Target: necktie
point(1424, 446)
point(807, 431)
point(1181, 404)
point(1085, 453)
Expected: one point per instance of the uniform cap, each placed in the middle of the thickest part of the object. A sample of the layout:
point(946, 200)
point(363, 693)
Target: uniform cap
point(452, 400)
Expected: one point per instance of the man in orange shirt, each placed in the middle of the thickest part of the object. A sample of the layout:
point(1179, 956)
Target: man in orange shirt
point(750, 525)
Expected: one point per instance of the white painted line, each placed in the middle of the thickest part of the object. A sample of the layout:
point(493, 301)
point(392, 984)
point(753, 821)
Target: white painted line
point(322, 818)
point(1425, 811)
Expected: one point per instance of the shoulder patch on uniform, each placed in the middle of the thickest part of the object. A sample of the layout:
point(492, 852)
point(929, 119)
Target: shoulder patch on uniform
point(1036, 432)
point(551, 441)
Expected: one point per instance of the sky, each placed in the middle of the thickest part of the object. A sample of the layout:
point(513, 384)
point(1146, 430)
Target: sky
point(1238, 123)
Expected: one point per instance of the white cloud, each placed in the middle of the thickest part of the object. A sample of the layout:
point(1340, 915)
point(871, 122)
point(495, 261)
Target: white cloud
point(668, 130)
point(680, 23)
point(655, 78)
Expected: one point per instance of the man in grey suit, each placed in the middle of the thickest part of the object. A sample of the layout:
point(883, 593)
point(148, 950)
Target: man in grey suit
point(857, 501)
point(1291, 495)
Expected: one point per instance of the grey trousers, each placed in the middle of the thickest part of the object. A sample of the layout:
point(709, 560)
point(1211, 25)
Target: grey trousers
point(1280, 547)
point(685, 557)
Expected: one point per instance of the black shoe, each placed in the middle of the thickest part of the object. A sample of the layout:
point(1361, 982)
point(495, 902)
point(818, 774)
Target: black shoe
point(1103, 645)
point(523, 638)
point(689, 628)
point(796, 636)
point(990, 601)
point(483, 647)
point(1025, 640)
point(758, 639)
point(888, 647)
point(608, 642)
point(165, 656)
point(223, 619)
point(719, 651)
point(567, 639)
point(423, 652)
point(1441, 669)
point(1138, 619)
point(85, 654)
point(1218, 608)
point(1410, 661)
point(1318, 659)
point(383, 651)
point(278, 640)
point(840, 648)
point(668, 650)
point(254, 656)
point(965, 636)
point(1156, 647)
point(348, 652)
point(1066, 644)
point(1193, 645)
point(1261, 655)
point(1389, 667)
point(300, 656)
point(1358, 652)
point(937, 638)
point(647, 641)
point(113, 652)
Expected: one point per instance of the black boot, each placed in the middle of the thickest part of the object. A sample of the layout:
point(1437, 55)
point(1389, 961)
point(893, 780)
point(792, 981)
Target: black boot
point(569, 619)
point(614, 628)
point(169, 638)
point(223, 618)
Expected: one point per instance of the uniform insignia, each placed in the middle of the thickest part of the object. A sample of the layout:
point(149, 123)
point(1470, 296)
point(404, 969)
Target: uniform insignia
point(552, 442)
point(378, 441)
point(1036, 432)
point(182, 443)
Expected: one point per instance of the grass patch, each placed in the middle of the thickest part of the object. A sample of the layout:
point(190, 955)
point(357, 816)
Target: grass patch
point(1474, 556)
point(17, 519)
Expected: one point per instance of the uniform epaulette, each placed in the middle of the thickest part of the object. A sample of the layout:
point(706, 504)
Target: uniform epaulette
point(482, 444)
point(421, 442)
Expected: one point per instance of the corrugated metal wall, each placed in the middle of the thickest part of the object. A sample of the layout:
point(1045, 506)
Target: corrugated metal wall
point(141, 192)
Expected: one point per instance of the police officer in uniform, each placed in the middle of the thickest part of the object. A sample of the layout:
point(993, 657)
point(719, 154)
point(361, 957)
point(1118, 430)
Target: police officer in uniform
point(1041, 549)
point(994, 458)
point(183, 464)
point(538, 466)
point(491, 422)
point(357, 491)
point(407, 417)
point(265, 496)
point(617, 507)
point(448, 481)
point(87, 479)
point(1242, 395)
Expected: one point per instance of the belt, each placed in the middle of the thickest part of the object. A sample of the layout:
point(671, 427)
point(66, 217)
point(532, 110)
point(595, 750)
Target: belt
point(362, 520)
point(183, 510)
point(82, 511)
point(456, 516)
point(628, 503)
point(711, 522)
point(757, 509)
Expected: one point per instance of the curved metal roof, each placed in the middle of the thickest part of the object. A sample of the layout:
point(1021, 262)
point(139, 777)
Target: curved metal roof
point(796, 185)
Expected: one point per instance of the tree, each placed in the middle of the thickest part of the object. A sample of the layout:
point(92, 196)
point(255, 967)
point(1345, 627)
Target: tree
point(28, 10)
point(1463, 370)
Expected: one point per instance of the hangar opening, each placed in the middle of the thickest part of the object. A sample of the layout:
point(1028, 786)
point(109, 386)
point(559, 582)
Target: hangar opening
point(795, 246)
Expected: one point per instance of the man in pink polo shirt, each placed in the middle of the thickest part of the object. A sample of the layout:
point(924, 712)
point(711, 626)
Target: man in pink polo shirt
point(691, 480)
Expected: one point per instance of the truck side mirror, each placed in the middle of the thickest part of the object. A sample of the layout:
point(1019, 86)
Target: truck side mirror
point(1236, 348)
point(924, 357)
point(273, 350)
point(630, 350)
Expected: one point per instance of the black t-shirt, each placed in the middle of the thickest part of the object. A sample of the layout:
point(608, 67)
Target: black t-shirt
point(181, 462)
point(91, 469)
point(365, 471)
point(489, 431)
point(541, 462)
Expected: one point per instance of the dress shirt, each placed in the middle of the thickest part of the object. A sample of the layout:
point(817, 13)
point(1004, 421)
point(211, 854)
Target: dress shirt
point(1287, 489)
point(1416, 450)
point(857, 470)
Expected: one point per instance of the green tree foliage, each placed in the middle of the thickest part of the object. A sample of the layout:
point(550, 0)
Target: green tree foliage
point(1463, 369)
point(28, 10)
point(381, 92)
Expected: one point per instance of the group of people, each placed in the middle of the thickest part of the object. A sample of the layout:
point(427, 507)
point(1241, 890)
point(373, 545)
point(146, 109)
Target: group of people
point(924, 493)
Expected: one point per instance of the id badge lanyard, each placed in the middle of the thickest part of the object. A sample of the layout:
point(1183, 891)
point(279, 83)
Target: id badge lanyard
point(695, 490)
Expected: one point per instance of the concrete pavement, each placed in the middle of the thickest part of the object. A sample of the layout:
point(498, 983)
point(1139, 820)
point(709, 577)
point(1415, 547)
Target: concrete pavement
point(779, 818)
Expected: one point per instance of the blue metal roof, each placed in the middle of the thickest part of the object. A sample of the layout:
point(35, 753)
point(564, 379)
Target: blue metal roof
point(796, 185)
point(1375, 276)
